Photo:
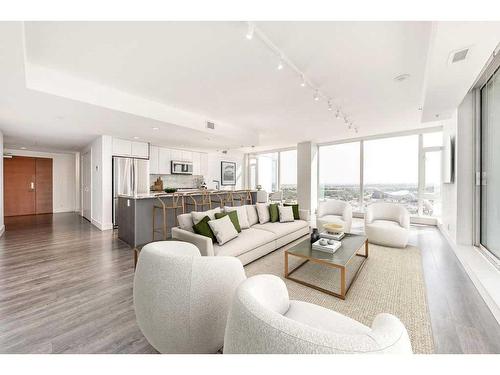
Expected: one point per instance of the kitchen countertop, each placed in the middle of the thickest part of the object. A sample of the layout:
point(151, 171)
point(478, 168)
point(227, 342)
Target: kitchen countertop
point(153, 195)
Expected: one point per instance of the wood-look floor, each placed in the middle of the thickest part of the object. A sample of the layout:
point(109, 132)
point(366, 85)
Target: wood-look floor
point(66, 287)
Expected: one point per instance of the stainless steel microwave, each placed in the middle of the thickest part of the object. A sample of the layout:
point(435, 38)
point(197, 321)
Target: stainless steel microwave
point(181, 167)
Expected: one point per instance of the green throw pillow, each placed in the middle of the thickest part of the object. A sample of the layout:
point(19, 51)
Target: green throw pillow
point(295, 209)
point(274, 213)
point(203, 228)
point(233, 215)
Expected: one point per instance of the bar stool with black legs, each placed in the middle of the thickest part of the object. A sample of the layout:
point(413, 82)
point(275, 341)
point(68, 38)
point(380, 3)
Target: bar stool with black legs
point(242, 197)
point(201, 204)
point(217, 199)
point(176, 204)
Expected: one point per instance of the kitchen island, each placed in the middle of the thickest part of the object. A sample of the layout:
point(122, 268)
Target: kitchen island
point(135, 213)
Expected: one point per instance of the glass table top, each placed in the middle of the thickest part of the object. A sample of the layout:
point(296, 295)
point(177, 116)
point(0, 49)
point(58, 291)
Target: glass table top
point(351, 244)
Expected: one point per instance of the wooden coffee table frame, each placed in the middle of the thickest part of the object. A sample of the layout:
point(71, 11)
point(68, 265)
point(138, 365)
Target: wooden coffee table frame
point(343, 289)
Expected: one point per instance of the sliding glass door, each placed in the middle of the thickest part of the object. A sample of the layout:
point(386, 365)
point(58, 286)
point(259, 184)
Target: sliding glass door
point(490, 165)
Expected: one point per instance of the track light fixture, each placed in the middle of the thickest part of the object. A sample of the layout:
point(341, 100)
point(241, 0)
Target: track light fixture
point(254, 32)
point(250, 31)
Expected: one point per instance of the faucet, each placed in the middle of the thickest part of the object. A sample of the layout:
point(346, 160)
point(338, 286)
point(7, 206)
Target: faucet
point(217, 184)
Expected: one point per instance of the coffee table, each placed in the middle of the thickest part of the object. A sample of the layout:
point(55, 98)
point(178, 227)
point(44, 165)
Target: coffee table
point(351, 245)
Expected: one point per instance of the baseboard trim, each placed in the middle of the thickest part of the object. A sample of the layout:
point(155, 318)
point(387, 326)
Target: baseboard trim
point(484, 275)
point(102, 226)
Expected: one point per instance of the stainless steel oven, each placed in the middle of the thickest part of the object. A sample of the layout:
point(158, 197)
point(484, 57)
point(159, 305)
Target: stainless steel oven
point(181, 167)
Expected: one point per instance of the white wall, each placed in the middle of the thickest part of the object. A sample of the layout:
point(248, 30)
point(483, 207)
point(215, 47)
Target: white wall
point(2, 226)
point(102, 188)
point(214, 163)
point(65, 192)
point(458, 197)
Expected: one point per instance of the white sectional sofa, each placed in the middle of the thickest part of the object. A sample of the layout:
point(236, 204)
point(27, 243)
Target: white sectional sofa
point(251, 243)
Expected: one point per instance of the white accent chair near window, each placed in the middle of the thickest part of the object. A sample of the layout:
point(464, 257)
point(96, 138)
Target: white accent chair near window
point(334, 211)
point(264, 320)
point(262, 196)
point(182, 299)
point(387, 224)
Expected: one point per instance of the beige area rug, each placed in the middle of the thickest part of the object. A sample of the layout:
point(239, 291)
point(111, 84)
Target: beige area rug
point(391, 281)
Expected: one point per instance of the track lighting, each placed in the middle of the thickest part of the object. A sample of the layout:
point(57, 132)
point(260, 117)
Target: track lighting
point(316, 95)
point(330, 108)
point(280, 64)
point(346, 121)
point(356, 130)
point(250, 31)
point(337, 114)
point(349, 126)
point(303, 82)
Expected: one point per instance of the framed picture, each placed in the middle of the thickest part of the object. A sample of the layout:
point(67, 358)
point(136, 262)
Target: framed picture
point(228, 173)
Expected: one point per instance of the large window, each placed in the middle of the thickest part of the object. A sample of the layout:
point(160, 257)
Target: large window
point(490, 165)
point(267, 173)
point(288, 174)
point(404, 169)
point(391, 171)
point(339, 173)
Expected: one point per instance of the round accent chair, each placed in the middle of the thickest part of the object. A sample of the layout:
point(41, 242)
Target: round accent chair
point(264, 320)
point(387, 224)
point(334, 211)
point(182, 299)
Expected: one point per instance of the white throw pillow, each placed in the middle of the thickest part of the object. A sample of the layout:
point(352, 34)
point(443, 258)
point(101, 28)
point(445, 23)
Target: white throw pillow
point(186, 222)
point(263, 212)
point(223, 229)
point(242, 215)
point(286, 214)
point(198, 216)
point(253, 218)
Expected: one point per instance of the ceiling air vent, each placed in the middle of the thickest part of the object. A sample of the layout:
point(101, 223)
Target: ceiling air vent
point(457, 56)
point(210, 125)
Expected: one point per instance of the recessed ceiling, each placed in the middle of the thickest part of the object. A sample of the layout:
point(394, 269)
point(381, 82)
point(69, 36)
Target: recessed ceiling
point(67, 82)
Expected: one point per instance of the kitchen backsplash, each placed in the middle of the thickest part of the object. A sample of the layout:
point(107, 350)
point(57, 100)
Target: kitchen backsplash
point(177, 180)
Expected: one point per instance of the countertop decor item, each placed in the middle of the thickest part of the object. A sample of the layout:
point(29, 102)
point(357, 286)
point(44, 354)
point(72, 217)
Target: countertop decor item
point(158, 184)
point(170, 190)
point(314, 235)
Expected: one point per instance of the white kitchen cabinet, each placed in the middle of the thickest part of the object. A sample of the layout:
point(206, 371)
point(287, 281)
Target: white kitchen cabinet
point(187, 156)
point(176, 155)
point(122, 147)
point(154, 156)
point(196, 163)
point(140, 150)
point(164, 158)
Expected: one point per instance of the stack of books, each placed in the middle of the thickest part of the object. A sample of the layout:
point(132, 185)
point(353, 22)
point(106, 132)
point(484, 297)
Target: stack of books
point(328, 248)
point(331, 236)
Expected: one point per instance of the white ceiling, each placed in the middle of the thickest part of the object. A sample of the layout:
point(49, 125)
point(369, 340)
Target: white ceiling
point(76, 80)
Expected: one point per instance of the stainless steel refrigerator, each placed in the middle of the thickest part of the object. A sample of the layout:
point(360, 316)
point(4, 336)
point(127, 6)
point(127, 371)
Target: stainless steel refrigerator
point(130, 177)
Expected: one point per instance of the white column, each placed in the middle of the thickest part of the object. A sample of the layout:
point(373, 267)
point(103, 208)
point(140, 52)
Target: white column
point(307, 176)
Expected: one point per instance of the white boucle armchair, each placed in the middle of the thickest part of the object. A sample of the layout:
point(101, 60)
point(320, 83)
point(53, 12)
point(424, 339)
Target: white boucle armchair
point(264, 320)
point(334, 211)
point(182, 299)
point(387, 224)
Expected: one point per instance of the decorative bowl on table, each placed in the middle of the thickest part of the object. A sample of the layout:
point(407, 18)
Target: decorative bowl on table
point(334, 228)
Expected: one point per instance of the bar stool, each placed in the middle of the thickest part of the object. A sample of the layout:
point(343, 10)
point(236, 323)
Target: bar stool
point(177, 202)
point(241, 196)
point(190, 201)
point(217, 198)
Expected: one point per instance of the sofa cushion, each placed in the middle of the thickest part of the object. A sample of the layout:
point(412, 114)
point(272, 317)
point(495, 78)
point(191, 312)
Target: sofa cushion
point(242, 215)
point(263, 212)
point(223, 229)
point(253, 218)
point(331, 218)
point(247, 240)
point(186, 222)
point(233, 215)
point(295, 207)
point(286, 214)
point(274, 215)
point(282, 229)
point(197, 216)
point(202, 228)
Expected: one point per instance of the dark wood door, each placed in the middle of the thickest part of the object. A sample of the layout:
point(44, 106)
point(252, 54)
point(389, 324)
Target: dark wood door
point(19, 186)
point(43, 186)
point(27, 186)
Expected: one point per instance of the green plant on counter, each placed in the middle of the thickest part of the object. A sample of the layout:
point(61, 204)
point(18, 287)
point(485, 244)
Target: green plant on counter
point(170, 190)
